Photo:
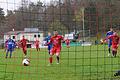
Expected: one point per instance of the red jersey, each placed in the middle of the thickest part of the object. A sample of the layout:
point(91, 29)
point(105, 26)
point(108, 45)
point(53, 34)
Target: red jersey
point(56, 41)
point(23, 42)
point(67, 41)
point(115, 39)
point(37, 42)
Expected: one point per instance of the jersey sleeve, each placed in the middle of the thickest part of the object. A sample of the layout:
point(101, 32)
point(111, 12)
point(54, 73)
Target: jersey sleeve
point(110, 37)
point(51, 39)
point(107, 34)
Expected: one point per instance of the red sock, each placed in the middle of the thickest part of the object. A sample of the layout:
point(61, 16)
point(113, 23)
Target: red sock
point(50, 59)
point(25, 52)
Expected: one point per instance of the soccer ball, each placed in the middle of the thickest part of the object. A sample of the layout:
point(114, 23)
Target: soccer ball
point(26, 62)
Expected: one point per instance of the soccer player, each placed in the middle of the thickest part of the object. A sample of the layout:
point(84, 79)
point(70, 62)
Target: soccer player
point(67, 41)
point(47, 39)
point(115, 43)
point(10, 45)
point(23, 44)
point(6, 45)
point(56, 48)
point(37, 43)
point(109, 33)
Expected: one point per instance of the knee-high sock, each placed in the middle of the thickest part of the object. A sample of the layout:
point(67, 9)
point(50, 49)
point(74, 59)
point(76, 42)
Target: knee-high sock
point(109, 50)
point(57, 59)
point(50, 60)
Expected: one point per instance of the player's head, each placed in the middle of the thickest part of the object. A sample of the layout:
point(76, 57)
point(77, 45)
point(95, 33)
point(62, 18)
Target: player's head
point(23, 36)
point(49, 34)
point(55, 33)
point(111, 29)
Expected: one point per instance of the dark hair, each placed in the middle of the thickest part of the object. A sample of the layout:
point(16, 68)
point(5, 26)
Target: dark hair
point(55, 30)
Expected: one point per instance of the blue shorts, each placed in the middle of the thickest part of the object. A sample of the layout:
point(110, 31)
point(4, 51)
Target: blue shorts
point(109, 44)
point(49, 47)
point(10, 49)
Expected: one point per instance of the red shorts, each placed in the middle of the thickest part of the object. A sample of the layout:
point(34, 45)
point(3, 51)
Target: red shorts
point(67, 44)
point(24, 48)
point(114, 46)
point(55, 50)
point(37, 46)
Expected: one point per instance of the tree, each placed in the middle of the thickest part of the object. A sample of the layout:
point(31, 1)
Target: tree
point(2, 17)
point(57, 25)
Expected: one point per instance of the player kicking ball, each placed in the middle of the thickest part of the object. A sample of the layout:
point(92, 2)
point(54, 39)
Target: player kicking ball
point(115, 43)
point(56, 48)
point(23, 44)
point(10, 45)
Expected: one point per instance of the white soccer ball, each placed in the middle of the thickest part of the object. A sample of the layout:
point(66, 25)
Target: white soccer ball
point(26, 62)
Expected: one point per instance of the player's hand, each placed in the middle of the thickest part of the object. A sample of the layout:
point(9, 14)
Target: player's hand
point(45, 44)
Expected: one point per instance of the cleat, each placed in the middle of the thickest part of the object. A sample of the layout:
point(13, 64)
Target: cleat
point(49, 64)
point(57, 63)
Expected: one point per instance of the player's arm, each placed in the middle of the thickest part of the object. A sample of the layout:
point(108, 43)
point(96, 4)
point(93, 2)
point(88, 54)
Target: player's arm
point(119, 40)
point(51, 40)
point(6, 42)
point(63, 39)
point(20, 43)
point(107, 34)
point(14, 44)
point(110, 37)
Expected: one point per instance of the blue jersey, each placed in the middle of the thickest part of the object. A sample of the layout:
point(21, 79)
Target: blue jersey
point(10, 44)
point(47, 39)
point(109, 33)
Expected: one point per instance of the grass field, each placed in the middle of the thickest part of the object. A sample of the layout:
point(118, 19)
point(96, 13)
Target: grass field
point(76, 63)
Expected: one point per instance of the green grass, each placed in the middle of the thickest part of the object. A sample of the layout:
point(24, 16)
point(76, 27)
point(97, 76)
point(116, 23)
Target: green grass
point(76, 63)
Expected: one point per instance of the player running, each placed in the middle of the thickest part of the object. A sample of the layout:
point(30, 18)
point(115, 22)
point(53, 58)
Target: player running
point(67, 41)
point(37, 43)
point(56, 48)
point(6, 45)
point(115, 43)
point(23, 44)
point(10, 45)
point(109, 33)
point(47, 39)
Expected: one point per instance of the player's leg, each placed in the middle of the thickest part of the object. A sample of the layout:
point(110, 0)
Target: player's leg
point(115, 53)
point(25, 51)
point(11, 53)
point(68, 45)
point(5, 49)
point(39, 48)
point(52, 51)
point(7, 53)
point(49, 49)
point(114, 50)
point(57, 55)
point(109, 50)
point(36, 48)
